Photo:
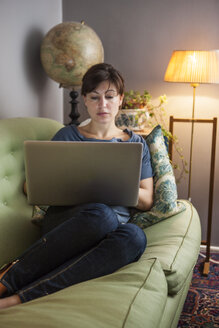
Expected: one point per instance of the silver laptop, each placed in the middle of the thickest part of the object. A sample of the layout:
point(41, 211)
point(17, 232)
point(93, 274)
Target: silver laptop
point(71, 173)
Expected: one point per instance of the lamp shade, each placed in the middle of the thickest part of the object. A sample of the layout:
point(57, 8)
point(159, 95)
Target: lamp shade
point(193, 67)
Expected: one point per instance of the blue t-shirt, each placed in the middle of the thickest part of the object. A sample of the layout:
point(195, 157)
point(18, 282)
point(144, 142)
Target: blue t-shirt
point(71, 133)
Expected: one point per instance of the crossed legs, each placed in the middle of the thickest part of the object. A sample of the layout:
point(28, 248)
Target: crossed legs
point(89, 244)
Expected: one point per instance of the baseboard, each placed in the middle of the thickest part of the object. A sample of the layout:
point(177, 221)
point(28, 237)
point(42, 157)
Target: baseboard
point(212, 248)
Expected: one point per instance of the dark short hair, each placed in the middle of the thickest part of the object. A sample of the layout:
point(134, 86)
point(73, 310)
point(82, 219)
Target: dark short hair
point(99, 73)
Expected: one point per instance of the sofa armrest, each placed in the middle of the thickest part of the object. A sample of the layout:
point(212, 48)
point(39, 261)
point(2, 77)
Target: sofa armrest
point(16, 230)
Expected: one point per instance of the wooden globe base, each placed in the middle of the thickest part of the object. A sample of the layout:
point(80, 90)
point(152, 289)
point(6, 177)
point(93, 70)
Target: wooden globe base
point(74, 115)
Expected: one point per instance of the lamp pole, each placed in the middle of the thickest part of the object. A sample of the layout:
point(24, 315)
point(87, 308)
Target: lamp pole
point(194, 85)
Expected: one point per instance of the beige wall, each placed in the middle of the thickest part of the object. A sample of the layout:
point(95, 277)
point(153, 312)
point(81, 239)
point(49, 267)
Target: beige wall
point(25, 88)
point(138, 38)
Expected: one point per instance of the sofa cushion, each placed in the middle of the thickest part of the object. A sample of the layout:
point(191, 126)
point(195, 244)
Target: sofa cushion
point(165, 190)
point(134, 296)
point(175, 242)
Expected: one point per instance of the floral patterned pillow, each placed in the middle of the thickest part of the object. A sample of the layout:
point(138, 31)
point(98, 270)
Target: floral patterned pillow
point(165, 191)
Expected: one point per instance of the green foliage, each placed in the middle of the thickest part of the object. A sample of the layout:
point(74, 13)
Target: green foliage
point(134, 99)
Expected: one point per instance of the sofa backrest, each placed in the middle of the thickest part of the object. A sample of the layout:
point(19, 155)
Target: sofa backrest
point(16, 230)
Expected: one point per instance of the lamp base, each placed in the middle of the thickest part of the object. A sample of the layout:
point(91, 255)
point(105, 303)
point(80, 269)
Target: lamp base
point(206, 268)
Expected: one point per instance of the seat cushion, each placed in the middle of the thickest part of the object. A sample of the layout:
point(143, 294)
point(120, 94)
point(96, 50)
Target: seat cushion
point(134, 296)
point(175, 242)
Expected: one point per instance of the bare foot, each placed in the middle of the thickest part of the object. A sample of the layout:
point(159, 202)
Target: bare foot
point(9, 301)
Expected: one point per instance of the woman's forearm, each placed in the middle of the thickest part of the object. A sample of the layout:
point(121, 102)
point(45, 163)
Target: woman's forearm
point(145, 200)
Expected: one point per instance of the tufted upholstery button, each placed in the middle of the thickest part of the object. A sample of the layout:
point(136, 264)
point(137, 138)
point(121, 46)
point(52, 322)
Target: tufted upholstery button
point(5, 203)
point(6, 178)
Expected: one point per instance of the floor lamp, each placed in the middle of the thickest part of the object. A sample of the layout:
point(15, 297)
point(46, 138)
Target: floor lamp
point(196, 67)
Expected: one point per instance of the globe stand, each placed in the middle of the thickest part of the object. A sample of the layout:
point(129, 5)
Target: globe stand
point(74, 115)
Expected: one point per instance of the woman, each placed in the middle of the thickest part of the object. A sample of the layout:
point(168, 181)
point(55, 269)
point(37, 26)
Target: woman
point(91, 240)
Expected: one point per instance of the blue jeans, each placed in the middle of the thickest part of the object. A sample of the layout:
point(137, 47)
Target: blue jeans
point(90, 243)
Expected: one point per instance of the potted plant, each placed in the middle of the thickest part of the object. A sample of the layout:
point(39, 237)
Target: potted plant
point(138, 112)
point(134, 114)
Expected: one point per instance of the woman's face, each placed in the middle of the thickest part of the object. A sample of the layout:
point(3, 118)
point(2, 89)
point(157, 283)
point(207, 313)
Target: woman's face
point(103, 103)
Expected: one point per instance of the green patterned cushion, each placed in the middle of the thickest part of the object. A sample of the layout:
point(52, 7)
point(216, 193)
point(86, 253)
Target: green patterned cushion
point(165, 191)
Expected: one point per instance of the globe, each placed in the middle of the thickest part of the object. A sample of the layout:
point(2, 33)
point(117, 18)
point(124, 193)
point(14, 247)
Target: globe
point(68, 50)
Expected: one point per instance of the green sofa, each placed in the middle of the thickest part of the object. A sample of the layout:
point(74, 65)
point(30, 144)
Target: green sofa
point(148, 293)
